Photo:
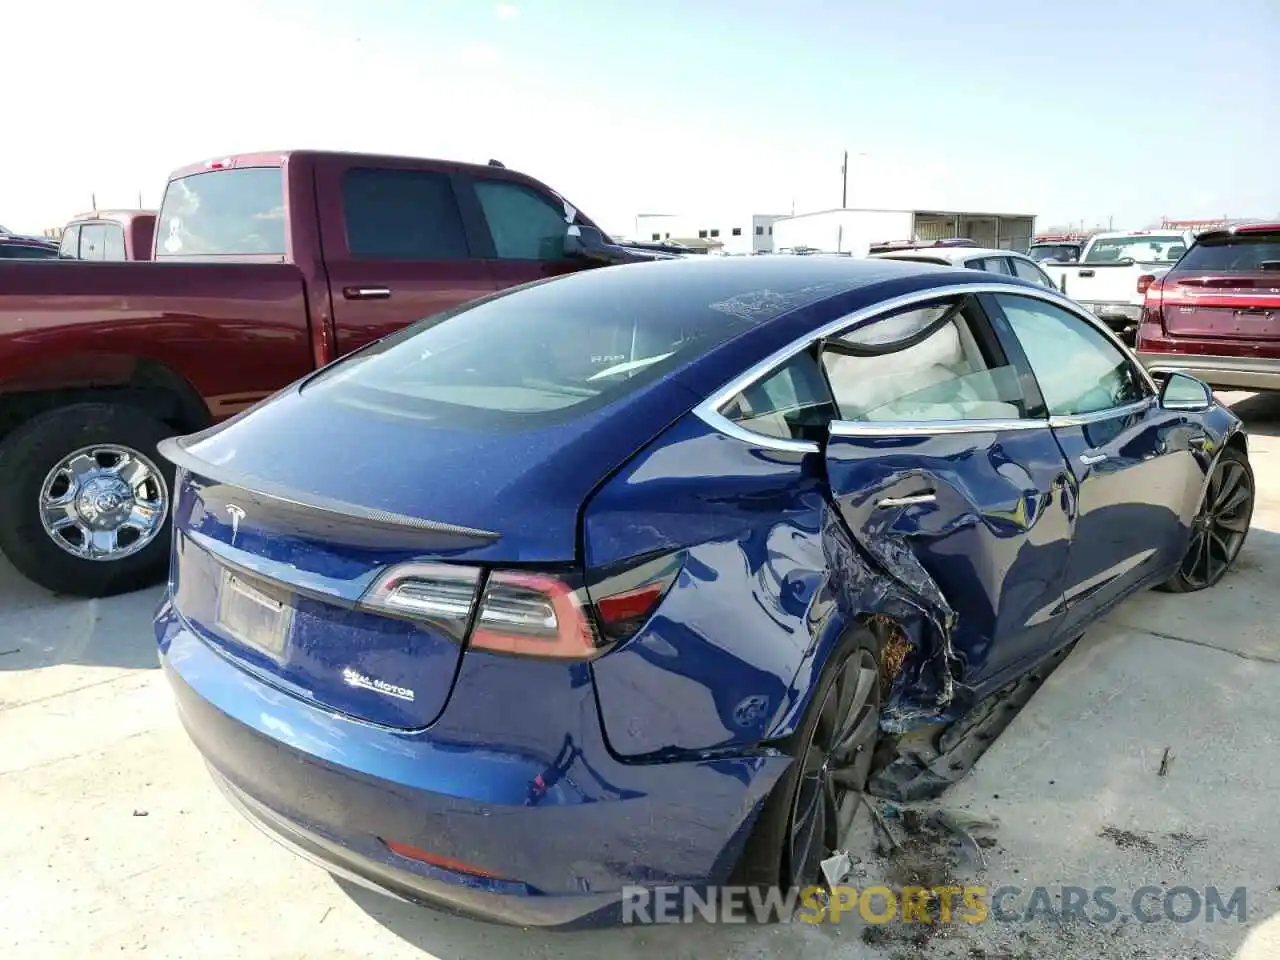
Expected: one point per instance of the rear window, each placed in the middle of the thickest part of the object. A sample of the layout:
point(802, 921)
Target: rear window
point(1242, 253)
point(223, 213)
point(1144, 249)
point(545, 353)
point(1057, 251)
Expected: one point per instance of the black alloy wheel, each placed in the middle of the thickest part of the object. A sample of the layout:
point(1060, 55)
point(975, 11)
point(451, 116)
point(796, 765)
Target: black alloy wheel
point(833, 768)
point(1219, 529)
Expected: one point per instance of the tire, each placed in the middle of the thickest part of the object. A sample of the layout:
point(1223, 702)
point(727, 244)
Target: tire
point(28, 458)
point(1231, 472)
point(765, 861)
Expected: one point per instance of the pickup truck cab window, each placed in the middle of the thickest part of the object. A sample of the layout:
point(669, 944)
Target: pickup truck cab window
point(113, 242)
point(233, 212)
point(402, 215)
point(990, 264)
point(524, 224)
point(70, 244)
point(1079, 370)
point(93, 239)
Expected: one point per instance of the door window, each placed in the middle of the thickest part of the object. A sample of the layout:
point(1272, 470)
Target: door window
point(113, 242)
point(1026, 270)
point(402, 215)
point(990, 264)
point(1079, 369)
point(93, 238)
point(524, 224)
point(792, 403)
point(929, 363)
point(70, 245)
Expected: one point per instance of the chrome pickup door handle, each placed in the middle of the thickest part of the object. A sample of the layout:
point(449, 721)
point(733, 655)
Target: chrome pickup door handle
point(887, 503)
point(1089, 461)
point(366, 293)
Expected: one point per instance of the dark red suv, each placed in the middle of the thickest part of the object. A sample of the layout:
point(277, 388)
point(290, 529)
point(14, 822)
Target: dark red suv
point(1216, 314)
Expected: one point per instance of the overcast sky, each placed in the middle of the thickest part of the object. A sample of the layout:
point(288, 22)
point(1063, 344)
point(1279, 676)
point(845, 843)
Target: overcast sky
point(1087, 110)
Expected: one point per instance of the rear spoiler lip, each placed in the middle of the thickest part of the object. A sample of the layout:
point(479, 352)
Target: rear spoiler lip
point(175, 451)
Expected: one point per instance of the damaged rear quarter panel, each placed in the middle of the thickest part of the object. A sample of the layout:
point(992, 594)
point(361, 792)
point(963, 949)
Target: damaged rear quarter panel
point(771, 582)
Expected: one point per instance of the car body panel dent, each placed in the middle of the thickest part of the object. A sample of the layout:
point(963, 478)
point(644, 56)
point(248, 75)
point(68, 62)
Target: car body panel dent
point(983, 551)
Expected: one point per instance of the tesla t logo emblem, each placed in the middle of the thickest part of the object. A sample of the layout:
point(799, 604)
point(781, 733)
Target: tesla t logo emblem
point(236, 514)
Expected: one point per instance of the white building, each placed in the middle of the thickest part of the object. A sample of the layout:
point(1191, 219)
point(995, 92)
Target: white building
point(854, 231)
point(741, 233)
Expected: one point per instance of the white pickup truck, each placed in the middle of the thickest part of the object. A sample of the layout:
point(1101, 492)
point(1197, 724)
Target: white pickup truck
point(1114, 271)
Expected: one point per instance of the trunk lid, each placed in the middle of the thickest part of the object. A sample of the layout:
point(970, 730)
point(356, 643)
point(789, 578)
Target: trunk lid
point(269, 572)
point(1238, 307)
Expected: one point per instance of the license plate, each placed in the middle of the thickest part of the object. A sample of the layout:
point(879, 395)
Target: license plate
point(252, 618)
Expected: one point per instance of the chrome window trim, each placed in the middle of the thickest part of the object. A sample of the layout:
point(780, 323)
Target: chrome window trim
point(918, 428)
point(708, 411)
point(1084, 419)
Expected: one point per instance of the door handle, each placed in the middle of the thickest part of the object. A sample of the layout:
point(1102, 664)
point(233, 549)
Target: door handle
point(1087, 273)
point(366, 293)
point(886, 503)
point(1089, 461)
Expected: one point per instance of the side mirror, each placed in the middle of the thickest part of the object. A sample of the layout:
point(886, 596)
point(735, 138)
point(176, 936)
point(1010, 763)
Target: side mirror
point(1183, 392)
point(586, 243)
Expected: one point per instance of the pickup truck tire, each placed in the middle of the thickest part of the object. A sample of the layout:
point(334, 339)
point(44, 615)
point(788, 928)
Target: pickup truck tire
point(85, 499)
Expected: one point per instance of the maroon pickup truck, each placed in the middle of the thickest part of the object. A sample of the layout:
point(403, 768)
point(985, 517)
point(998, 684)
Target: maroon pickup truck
point(265, 267)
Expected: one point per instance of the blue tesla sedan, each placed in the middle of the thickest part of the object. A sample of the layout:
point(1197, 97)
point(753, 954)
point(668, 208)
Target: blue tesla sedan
point(636, 577)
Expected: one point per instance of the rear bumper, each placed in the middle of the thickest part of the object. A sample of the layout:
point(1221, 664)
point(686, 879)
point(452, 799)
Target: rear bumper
point(1118, 316)
point(517, 791)
point(1224, 373)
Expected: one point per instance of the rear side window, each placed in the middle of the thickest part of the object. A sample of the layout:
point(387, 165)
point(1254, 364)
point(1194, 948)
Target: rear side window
point(70, 245)
point(93, 239)
point(1242, 253)
point(402, 215)
point(990, 264)
point(1026, 270)
point(525, 225)
point(113, 242)
point(223, 213)
point(542, 354)
point(793, 403)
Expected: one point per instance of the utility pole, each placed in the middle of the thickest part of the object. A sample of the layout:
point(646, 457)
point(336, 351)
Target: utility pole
point(844, 180)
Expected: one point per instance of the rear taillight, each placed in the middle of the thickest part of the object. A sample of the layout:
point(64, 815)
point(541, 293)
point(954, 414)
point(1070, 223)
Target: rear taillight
point(624, 601)
point(520, 612)
point(1151, 324)
point(1144, 282)
point(534, 615)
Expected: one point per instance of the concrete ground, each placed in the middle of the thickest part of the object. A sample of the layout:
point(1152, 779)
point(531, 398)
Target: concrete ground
point(114, 841)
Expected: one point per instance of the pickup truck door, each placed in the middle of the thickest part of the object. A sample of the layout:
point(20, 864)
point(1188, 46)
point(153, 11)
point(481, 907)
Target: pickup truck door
point(397, 246)
point(949, 476)
point(522, 229)
point(1130, 460)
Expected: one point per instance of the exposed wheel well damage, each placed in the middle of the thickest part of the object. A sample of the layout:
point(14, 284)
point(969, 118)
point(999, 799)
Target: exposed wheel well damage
point(896, 598)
